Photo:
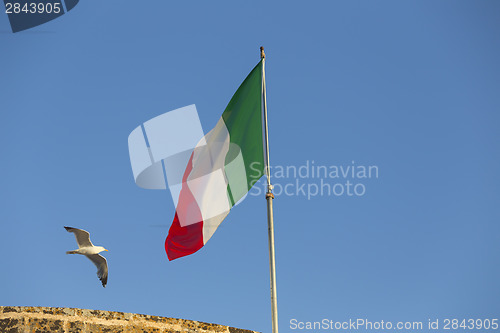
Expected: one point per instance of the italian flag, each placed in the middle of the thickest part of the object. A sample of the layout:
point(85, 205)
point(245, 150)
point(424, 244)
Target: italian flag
point(223, 167)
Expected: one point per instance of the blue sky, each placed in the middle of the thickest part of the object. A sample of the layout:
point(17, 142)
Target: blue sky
point(411, 87)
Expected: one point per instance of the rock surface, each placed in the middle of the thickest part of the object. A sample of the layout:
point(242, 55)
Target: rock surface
point(17, 319)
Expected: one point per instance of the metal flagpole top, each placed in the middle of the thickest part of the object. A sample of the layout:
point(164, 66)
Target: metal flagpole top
point(266, 132)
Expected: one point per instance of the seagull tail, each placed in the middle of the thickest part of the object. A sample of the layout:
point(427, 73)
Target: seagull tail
point(71, 252)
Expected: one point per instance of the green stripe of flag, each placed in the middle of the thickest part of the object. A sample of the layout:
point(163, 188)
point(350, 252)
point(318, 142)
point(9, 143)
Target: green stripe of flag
point(243, 119)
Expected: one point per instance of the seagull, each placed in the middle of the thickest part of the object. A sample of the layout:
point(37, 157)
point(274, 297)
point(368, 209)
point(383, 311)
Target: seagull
point(88, 249)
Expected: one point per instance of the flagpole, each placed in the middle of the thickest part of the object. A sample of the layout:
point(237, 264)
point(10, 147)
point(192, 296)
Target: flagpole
point(269, 198)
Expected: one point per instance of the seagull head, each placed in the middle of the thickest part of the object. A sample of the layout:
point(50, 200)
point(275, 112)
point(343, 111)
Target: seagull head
point(100, 248)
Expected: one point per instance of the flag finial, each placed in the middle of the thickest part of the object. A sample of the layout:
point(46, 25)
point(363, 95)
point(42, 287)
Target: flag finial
point(262, 54)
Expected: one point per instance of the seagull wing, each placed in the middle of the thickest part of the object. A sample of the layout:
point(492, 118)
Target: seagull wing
point(82, 237)
point(102, 267)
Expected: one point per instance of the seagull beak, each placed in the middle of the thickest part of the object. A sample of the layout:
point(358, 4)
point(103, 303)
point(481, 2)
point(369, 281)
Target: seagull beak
point(106, 250)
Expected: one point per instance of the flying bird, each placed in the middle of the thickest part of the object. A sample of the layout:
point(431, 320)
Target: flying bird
point(88, 249)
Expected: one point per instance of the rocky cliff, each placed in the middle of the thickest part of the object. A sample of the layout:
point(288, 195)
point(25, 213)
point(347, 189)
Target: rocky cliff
point(14, 319)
